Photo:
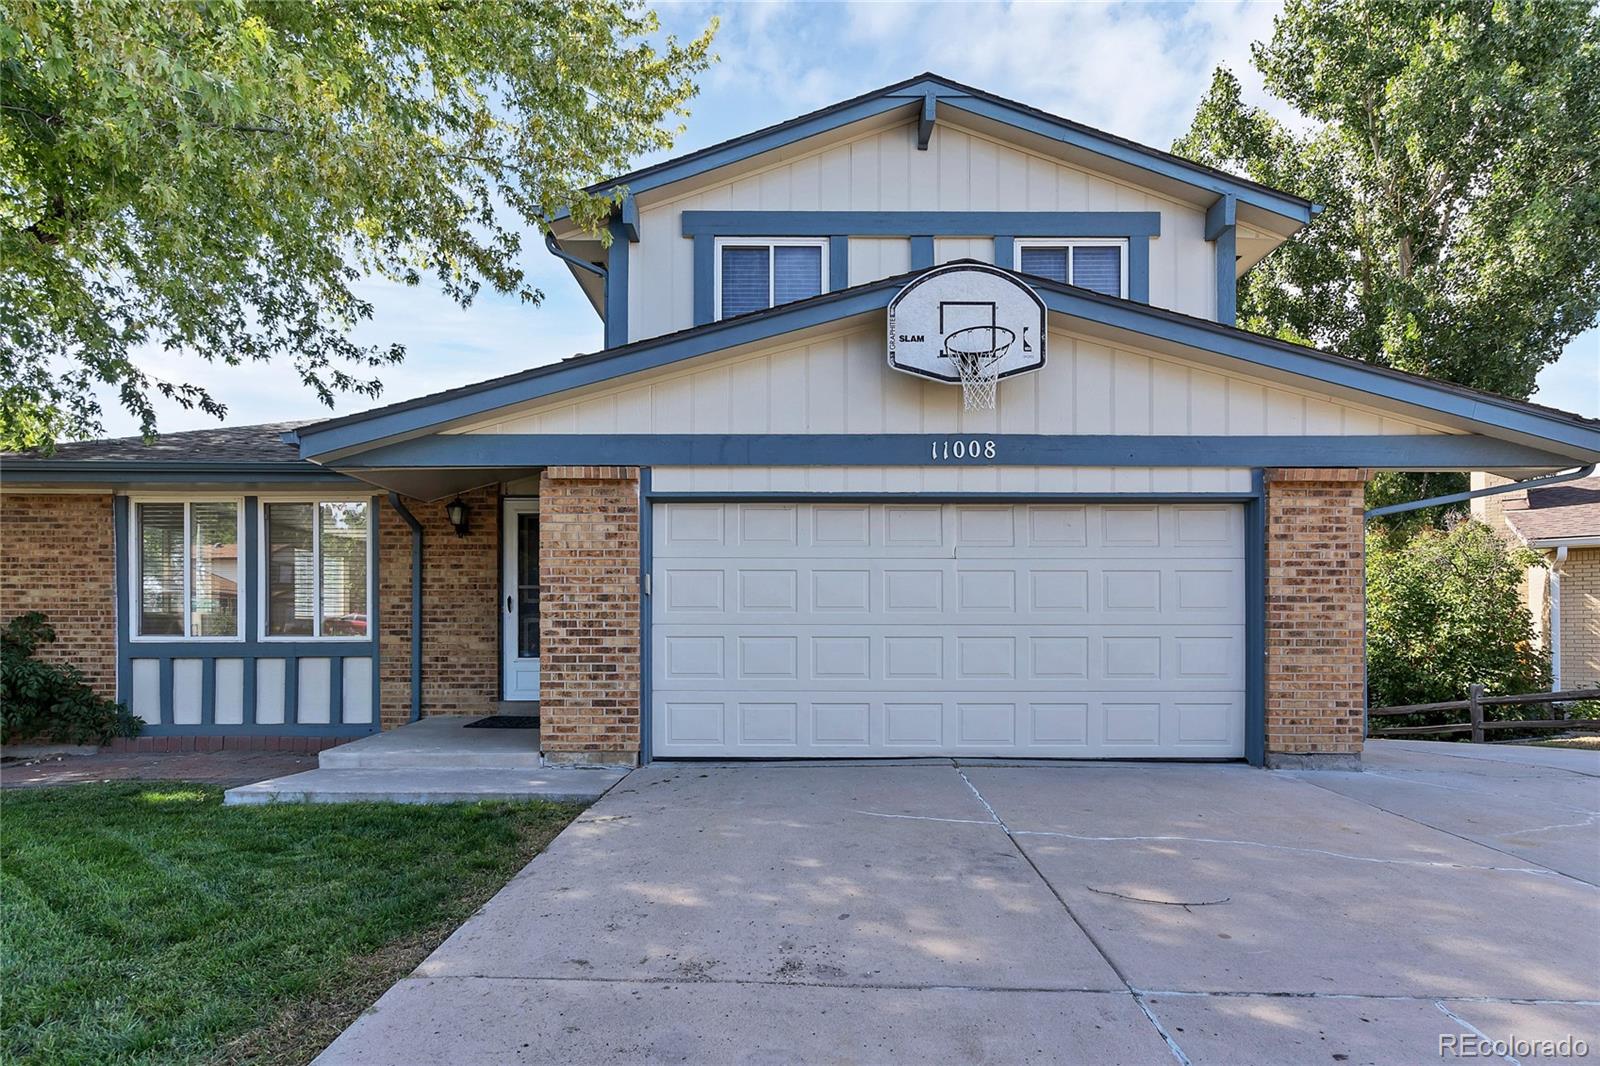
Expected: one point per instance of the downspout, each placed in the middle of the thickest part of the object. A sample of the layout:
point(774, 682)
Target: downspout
point(416, 602)
point(1555, 617)
point(1577, 474)
point(561, 253)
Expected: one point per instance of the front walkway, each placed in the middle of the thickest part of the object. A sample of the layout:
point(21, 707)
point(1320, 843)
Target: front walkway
point(225, 768)
point(937, 911)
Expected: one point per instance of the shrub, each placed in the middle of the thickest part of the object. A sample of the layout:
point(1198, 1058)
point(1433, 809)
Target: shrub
point(51, 701)
point(1444, 612)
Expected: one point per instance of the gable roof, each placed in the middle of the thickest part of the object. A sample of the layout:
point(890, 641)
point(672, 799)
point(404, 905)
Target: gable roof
point(929, 93)
point(1560, 512)
point(1560, 432)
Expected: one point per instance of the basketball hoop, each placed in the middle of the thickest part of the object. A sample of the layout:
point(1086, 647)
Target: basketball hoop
point(977, 351)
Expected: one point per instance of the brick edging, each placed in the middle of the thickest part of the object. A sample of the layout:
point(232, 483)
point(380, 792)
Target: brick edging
point(146, 745)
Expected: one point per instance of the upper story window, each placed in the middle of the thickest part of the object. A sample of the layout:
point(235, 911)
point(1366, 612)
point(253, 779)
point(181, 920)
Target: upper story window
point(1101, 265)
point(755, 273)
point(186, 572)
point(315, 570)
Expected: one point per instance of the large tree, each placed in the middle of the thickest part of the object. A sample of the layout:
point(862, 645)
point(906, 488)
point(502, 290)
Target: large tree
point(213, 176)
point(1456, 146)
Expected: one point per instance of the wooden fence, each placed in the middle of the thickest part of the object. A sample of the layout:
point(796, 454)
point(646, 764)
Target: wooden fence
point(1474, 704)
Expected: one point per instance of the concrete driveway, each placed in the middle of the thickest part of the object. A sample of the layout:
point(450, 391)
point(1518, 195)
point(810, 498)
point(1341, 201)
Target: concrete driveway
point(1112, 913)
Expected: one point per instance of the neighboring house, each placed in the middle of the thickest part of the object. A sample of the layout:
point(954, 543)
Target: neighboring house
point(763, 523)
point(1562, 524)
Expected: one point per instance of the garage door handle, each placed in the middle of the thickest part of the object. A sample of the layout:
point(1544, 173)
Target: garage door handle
point(510, 607)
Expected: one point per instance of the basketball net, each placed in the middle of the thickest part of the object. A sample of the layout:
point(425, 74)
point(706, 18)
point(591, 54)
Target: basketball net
point(978, 381)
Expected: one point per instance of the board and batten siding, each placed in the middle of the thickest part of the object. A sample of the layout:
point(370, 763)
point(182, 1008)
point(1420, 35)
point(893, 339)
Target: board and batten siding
point(883, 171)
point(841, 383)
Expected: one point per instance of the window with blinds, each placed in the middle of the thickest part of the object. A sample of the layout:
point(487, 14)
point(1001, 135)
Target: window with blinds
point(755, 274)
point(316, 569)
point(187, 570)
point(1096, 265)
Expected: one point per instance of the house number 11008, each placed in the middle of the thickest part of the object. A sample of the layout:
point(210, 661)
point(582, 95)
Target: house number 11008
point(963, 448)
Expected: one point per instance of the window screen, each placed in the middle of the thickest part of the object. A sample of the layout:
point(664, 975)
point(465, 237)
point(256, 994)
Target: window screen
point(1088, 266)
point(745, 280)
point(758, 276)
point(1098, 267)
point(161, 569)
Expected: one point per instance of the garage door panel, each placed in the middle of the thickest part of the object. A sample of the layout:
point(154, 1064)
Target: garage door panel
point(1131, 658)
point(924, 629)
point(857, 723)
point(1042, 590)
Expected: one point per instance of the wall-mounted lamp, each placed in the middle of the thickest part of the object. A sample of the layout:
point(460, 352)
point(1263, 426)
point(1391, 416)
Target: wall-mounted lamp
point(456, 512)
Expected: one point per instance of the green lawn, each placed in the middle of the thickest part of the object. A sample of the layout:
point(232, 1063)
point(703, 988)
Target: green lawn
point(146, 923)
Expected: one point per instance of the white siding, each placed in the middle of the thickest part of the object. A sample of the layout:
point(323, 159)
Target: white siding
point(977, 479)
point(270, 675)
point(842, 383)
point(883, 171)
point(872, 258)
point(357, 692)
point(946, 249)
point(187, 691)
point(313, 699)
point(229, 692)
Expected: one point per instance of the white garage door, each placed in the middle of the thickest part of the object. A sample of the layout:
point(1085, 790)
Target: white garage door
point(842, 630)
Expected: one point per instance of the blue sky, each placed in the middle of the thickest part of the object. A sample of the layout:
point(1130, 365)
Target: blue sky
point(1133, 69)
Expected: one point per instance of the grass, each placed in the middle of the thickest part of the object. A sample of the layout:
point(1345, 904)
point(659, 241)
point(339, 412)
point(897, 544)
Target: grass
point(1591, 743)
point(146, 923)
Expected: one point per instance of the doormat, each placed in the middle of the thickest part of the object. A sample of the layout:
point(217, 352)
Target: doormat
point(505, 721)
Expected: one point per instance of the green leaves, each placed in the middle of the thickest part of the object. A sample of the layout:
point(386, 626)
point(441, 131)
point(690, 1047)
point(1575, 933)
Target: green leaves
point(214, 178)
point(1456, 146)
point(51, 700)
point(1444, 612)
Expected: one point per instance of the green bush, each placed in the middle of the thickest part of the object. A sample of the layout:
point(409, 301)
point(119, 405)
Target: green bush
point(1444, 612)
point(51, 701)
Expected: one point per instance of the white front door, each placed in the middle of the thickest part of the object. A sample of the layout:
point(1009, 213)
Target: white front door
point(519, 599)
point(834, 629)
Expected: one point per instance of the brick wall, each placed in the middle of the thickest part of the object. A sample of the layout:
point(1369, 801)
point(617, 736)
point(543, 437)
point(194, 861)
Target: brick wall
point(1315, 614)
point(589, 632)
point(460, 609)
point(1580, 618)
point(58, 555)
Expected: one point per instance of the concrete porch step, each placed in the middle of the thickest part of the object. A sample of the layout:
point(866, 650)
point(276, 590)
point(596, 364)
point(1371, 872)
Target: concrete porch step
point(421, 785)
point(441, 743)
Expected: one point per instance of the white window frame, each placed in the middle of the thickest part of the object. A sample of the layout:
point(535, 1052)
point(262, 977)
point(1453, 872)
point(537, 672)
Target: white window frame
point(1077, 242)
point(772, 274)
point(136, 570)
point(263, 578)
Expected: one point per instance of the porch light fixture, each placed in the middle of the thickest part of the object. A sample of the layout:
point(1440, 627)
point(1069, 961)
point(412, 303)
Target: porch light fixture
point(456, 512)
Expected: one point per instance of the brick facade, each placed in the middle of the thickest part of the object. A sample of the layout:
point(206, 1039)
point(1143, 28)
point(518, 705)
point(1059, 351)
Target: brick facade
point(589, 625)
point(1316, 609)
point(1580, 618)
point(57, 555)
point(460, 609)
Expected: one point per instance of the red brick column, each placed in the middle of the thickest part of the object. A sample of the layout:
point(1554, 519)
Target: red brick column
point(589, 629)
point(460, 609)
point(58, 555)
point(1316, 610)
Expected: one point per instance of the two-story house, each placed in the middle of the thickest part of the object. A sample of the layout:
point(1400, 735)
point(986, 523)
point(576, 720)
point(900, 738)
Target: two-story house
point(922, 427)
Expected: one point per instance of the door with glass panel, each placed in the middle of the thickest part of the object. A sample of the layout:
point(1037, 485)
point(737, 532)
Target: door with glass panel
point(519, 599)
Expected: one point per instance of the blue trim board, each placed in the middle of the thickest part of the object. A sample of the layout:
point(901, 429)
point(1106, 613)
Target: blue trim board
point(516, 450)
point(922, 253)
point(705, 274)
point(1255, 621)
point(616, 324)
point(950, 497)
point(838, 266)
point(1138, 270)
point(1005, 251)
point(929, 223)
point(121, 579)
point(22, 470)
point(1496, 415)
point(1222, 228)
point(925, 121)
point(913, 96)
